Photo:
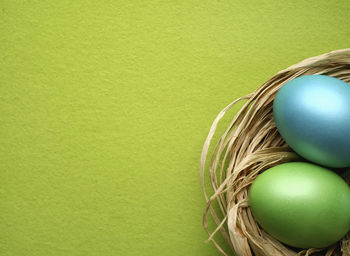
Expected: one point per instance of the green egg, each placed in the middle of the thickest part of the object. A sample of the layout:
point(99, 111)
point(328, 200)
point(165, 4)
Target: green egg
point(301, 204)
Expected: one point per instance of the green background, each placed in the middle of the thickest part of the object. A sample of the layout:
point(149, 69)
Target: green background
point(105, 106)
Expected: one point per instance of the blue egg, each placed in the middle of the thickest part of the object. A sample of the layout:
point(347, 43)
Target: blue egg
point(312, 114)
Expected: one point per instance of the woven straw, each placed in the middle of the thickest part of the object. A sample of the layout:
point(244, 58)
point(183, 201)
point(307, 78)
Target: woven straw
point(250, 145)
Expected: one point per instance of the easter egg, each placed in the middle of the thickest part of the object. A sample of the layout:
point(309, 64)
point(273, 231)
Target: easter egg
point(312, 114)
point(301, 204)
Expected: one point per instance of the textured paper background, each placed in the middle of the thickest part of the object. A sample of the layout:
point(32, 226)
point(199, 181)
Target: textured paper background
point(105, 106)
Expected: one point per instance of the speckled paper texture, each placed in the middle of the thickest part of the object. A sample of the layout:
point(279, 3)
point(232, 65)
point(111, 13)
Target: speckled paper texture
point(105, 105)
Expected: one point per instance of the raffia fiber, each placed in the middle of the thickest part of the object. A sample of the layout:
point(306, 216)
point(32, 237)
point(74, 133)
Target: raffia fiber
point(250, 145)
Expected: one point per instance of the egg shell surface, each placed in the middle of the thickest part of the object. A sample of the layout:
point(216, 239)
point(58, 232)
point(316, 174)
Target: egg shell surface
point(312, 114)
point(301, 204)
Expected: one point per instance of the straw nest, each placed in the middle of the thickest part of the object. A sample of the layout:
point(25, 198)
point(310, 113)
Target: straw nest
point(250, 145)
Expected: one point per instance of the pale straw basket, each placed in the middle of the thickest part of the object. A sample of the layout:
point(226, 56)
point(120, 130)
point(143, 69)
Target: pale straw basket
point(250, 145)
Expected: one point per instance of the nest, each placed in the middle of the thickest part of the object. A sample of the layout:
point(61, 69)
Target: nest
point(250, 145)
